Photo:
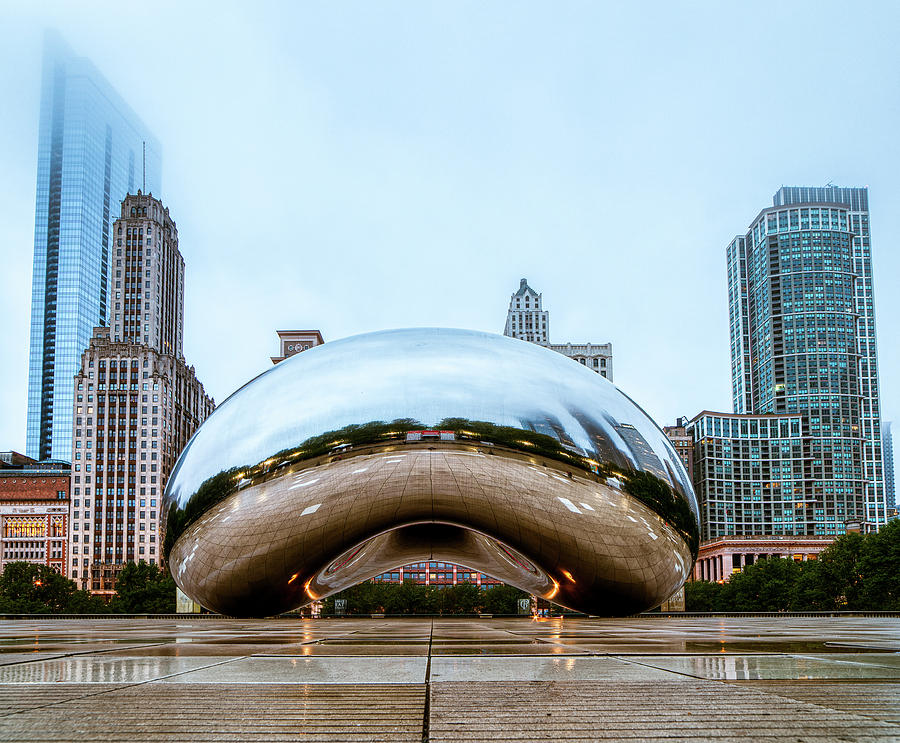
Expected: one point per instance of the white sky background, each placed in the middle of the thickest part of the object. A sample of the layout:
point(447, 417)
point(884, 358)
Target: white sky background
point(360, 166)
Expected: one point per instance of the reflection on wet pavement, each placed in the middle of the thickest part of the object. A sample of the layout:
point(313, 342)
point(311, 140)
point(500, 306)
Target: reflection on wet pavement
point(773, 678)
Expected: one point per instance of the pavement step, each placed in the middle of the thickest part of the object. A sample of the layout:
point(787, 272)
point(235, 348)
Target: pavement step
point(878, 700)
point(623, 710)
point(156, 712)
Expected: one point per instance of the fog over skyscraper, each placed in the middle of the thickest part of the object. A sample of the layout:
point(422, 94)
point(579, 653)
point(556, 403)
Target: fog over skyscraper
point(92, 151)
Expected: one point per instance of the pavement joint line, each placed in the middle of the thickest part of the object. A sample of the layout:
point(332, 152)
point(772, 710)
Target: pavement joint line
point(426, 710)
point(667, 670)
point(84, 652)
point(839, 660)
point(580, 647)
point(124, 686)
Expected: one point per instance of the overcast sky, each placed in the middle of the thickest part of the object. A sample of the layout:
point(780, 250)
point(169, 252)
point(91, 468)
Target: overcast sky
point(360, 166)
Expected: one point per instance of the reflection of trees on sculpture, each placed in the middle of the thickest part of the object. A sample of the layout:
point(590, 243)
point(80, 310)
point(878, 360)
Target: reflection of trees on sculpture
point(652, 491)
point(215, 489)
point(657, 495)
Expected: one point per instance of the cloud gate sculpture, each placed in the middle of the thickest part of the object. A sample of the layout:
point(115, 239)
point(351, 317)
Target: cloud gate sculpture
point(366, 453)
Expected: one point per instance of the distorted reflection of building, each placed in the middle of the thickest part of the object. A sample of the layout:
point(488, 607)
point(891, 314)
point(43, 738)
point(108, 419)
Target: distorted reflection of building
point(527, 320)
point(683, 443)
point(34, 511)
point(136, 401)
point(437, 573)
point(429, 448)
point(433, 573)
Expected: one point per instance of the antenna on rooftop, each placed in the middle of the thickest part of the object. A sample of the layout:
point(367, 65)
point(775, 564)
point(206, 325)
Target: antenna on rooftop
point(144, 165)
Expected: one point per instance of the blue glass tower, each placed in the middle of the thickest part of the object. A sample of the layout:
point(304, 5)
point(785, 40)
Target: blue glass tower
point(92, 151)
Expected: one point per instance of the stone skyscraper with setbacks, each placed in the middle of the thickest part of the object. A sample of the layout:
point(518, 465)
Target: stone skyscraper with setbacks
point(137, 402)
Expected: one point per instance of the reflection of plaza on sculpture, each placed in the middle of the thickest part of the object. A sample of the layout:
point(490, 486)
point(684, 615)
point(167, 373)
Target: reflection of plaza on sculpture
point(411, 445)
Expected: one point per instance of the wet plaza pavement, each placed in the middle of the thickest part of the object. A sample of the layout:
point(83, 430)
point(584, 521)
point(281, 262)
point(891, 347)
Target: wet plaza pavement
point(779, 679)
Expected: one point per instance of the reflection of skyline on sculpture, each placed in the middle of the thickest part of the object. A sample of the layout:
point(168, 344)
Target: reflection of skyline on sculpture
point(514, 409)
point(319, 402)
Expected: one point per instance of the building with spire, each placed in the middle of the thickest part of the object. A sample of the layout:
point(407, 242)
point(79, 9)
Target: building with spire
point(136, 401)
point(92, 151)
point(527, 320)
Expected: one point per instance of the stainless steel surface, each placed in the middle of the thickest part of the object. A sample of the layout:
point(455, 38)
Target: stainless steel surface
point(407, 445)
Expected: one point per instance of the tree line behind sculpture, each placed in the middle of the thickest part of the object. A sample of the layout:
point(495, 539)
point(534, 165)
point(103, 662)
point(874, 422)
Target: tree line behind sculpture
point(410, 597)
point(27, 588)
point(857, 572)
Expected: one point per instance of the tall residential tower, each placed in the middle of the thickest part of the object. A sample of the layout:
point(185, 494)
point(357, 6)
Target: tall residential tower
point(803, 345)
point(92, 151)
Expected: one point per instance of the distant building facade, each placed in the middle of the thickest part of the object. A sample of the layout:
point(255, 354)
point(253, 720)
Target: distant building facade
point(767, 475)
point(720, 558)
point(527, 320)
point(292, 342)
point(887, 448)
point(137, 402)
point(92, 151)
point(437, 573)
point(34, 511)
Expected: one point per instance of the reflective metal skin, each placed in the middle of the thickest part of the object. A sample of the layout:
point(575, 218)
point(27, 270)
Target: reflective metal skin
point(429, 444)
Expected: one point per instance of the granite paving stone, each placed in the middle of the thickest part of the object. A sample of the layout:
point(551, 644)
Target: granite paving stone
point(779, 679)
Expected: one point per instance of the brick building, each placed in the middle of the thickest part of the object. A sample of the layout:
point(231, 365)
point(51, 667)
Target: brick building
point(294, 341)
point(34, 511)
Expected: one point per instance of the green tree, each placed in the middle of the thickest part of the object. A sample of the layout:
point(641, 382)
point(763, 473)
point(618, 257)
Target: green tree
point(839, 571)
point(142, 588)
point(769, 585)
point(703, 595)
point(879, 569)
point(810, 592)
point(503, 599)
point(463, 598)
point(27, 588)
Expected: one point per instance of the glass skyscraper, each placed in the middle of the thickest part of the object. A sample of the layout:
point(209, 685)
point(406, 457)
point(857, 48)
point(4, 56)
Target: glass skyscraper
point(887, 450)
point(92, 151)
point(803, 343)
